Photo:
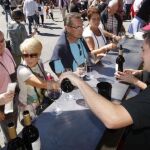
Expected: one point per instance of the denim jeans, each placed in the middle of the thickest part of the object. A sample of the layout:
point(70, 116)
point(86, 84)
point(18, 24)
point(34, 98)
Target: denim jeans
point(32, 19)
point(7, 13)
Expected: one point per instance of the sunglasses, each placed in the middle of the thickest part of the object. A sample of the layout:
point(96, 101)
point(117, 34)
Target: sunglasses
point(34, 55)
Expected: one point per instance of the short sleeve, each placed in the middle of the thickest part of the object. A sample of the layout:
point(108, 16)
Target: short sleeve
point(139, 109)
point(87, 32)
point(24, 73)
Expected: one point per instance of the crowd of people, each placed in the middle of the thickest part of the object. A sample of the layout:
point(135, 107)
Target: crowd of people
point(75, 46)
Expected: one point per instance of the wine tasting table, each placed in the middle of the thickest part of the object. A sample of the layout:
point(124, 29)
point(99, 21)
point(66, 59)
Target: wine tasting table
point(77, 128)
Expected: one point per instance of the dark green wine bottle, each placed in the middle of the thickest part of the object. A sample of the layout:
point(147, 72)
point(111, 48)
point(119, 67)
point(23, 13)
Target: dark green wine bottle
point(15, 142)
point(30, 133)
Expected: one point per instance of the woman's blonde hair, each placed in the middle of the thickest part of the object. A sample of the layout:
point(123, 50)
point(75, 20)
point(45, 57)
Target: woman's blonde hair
point(31, 45)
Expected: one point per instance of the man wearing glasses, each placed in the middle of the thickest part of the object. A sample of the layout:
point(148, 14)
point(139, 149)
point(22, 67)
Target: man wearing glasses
point(133, 113)
point(71, 50)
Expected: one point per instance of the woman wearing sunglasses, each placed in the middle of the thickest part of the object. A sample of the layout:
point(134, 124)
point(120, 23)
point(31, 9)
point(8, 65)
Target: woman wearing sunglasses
point(31, 76)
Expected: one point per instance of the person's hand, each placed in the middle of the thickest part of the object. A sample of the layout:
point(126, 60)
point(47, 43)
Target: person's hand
point(6, 97)
point(71, 76)
point(2, 116)
point(126, 77)
point(117, 38)
point(111, 46)
point(132, 71)
point(52, 84)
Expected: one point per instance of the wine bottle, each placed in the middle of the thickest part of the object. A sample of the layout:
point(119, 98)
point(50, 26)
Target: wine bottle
point(15, 142)
point(120, 60)
point(30, 133)
point(66, 85)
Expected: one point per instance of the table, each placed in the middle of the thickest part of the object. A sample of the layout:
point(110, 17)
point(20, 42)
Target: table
point(77, 128)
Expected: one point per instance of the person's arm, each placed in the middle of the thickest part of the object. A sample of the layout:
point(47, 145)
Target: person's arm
point(24, 74)
point(104, 49)
point(112, 36)
point(133, 71)
point(112, 115)
point(90, 43)
point(130, 78)
point(36, 82)
point(101, 51)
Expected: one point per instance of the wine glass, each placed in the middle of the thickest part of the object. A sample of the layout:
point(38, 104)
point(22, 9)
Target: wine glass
point(54, 92)
point(82, 69)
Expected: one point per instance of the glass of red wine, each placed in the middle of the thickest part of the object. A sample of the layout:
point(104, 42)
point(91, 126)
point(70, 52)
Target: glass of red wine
point(54, 92)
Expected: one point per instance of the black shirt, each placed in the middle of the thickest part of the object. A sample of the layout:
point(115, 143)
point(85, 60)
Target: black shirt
point(138, 107)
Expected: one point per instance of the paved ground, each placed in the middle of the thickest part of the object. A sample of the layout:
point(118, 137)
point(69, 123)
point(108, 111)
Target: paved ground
point(48, 36)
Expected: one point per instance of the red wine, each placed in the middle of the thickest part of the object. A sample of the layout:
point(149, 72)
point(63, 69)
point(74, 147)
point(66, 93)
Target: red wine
point(120, 60)
point(66, 85)
point(54, 94)
point(30, 133)
point(15, 143)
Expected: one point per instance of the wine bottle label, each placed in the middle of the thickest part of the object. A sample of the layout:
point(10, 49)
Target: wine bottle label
point(121, 52)
point(37, 144)
point(116, 67)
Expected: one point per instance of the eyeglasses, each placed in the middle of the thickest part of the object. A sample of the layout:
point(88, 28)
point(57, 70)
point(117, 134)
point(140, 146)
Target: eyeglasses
point(34, 55)
point(78, 27)
point(1, 41)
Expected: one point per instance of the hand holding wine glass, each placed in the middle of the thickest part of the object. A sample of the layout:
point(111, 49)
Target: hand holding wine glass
point(54, 92)
point(82, 69)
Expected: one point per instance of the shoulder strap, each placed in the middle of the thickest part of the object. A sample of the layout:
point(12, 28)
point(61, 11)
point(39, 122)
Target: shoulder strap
point(104, 39)
point(34, 86)
point(5, 66)
point(41, 67)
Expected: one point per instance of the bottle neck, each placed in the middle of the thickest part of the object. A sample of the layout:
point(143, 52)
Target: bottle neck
point(27, 120)
point(12, 131)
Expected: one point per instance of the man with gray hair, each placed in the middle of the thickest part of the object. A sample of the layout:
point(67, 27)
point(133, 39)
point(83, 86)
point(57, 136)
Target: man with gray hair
point(71, 49)
point(111, 21)
point(133, 113)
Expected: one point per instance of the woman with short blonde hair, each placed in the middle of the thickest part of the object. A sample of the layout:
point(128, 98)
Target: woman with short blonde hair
point(31, 45)
point(31, 76)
